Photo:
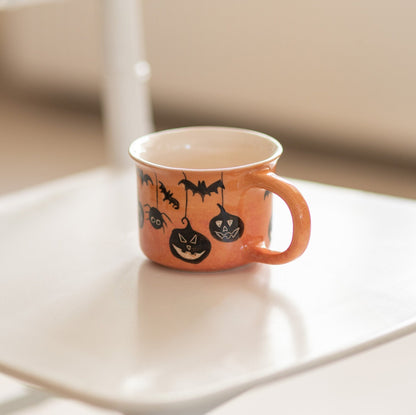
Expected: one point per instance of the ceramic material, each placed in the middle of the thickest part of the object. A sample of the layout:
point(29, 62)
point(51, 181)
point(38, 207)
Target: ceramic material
point(204, 198)
point(84, 315)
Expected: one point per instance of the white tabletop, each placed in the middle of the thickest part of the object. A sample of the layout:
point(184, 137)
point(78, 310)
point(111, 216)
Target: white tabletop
point(379, 381)
point(83, 313)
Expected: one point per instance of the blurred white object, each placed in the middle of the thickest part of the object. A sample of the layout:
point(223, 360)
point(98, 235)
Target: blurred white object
point(342, 73)
point(17, 398)
point(88, 316)
point(127, 113)
point(124, 69)
point(379, 381)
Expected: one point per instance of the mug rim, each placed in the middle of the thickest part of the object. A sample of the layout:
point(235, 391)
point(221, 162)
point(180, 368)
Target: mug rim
point(143, 139)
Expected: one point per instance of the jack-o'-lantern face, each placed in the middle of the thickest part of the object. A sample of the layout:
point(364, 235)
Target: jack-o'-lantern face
point(189, 245)
point(226, 227)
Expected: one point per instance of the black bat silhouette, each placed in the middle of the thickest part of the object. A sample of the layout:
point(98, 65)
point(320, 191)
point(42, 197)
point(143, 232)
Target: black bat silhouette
point(202, 188)
point(168, 195)
point(144, 178)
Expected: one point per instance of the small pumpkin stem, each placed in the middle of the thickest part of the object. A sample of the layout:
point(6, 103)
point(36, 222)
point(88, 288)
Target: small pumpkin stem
point(221, 208)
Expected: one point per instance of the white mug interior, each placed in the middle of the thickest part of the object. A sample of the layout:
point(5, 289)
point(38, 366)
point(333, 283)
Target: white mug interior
point(205, 148)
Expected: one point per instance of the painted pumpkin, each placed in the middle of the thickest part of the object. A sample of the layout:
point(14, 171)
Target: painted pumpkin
point(189, 245)
point(226, 227)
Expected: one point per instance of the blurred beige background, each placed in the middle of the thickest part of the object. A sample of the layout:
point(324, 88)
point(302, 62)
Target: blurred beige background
point(334, 81)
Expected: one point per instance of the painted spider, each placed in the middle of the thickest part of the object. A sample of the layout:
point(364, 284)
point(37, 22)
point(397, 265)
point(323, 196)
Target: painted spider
point(155, 217)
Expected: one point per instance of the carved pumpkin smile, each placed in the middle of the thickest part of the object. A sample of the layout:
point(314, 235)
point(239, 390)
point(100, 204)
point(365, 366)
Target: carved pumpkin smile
point(188, 244)
point(226, 234)
point(188, 255)
point(226, 227)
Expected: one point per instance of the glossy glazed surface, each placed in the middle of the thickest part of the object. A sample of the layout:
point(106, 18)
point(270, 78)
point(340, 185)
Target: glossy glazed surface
point(204, 198)
point(197, 148)
point(200, 222)
point(83, 313)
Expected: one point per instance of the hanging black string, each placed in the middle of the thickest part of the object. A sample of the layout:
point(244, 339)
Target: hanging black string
point(157, 192)
point(222, 190)
point(186, 197)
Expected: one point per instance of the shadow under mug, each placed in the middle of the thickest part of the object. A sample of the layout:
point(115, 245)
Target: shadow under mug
point(204, 198)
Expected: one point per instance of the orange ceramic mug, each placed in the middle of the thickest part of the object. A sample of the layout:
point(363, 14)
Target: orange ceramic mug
point(204, 198)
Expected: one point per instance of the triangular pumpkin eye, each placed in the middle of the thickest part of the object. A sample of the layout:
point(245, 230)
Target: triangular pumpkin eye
point(218, 223)
point(230, 222)
point(194, 238)
point(182, 239)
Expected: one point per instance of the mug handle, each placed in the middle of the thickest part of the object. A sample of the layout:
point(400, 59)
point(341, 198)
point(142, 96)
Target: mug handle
point(301, 219)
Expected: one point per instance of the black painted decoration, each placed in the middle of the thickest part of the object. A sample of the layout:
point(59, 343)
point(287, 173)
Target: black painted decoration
point(168, 195)
point(188, 244)
point(155, 217)
point(226, 227)
point(144, 178)
point(202, 189)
